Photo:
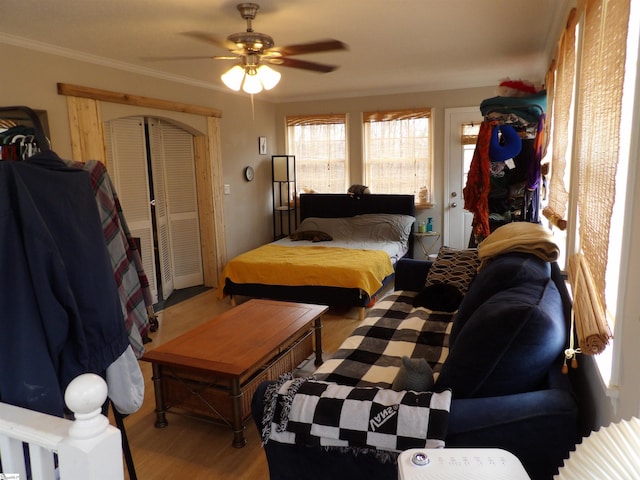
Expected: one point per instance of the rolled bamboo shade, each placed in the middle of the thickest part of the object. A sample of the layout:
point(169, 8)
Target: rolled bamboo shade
point(469, 133)
point(563, 82)
point(389, 115)
point(320, 119)
point(591, 326)
point(598, 116)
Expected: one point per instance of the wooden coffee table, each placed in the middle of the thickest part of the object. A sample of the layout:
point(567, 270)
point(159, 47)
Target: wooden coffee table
point(212, 371)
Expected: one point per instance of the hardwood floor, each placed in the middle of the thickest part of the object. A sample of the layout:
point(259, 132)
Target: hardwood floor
point(194, 449)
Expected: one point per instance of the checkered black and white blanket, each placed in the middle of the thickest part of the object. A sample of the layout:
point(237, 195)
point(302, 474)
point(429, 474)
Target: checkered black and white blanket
point(308, 412)
point(372, 354)
point(347, 404)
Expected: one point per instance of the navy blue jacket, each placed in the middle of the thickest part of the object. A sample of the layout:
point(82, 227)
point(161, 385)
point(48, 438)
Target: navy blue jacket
point(60, 314)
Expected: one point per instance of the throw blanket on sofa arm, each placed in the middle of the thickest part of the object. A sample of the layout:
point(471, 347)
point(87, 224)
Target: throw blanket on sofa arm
point(522, 237)
point(314, 413)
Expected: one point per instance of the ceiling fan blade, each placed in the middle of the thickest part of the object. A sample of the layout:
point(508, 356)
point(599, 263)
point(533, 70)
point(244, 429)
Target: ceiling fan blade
point(209, 38)
point(195, 57)
point(293, 63)
point(314, 47)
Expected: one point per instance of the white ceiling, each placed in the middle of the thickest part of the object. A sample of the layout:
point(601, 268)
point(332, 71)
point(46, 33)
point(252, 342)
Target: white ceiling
point(394, 45)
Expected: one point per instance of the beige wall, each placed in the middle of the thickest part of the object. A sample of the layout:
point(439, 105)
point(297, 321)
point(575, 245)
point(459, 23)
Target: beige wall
point(248, 208)
point(354, 107)
point(32, 82)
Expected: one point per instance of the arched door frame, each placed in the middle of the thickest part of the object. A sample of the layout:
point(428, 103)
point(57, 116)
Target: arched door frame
point(88, 141)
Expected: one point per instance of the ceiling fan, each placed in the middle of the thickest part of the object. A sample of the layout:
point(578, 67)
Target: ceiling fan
point(253, 50)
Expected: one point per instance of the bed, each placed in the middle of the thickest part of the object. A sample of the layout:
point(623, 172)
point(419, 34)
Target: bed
point(291, 274)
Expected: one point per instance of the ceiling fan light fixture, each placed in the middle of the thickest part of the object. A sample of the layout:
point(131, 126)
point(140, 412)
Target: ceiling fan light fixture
point(233, 77)
point(251, 79)
point(252, 83)
point(268, 76)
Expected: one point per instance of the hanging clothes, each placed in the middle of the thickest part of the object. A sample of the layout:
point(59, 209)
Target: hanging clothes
point(17, 140)
point(129, 275)
point(61, 313)
point(498, 193)
point(476, 190)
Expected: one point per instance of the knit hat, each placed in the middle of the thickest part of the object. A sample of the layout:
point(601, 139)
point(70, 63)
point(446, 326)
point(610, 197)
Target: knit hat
point(508, 147)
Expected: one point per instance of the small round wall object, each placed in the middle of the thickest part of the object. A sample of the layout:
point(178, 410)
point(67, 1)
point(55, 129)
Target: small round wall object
point(248, 173)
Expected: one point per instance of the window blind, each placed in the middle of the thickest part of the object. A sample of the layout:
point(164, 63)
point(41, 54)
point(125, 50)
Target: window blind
point(320, 147)
point(597, 146)
point(397, 151)
point(564, 81)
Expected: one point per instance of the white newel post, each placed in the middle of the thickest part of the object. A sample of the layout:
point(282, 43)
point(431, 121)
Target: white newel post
point(93, 449)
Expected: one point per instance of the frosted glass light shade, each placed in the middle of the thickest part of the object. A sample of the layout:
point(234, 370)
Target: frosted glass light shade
point(268, 76)
point(252, 83)
point(233, 77)
point(251, 79)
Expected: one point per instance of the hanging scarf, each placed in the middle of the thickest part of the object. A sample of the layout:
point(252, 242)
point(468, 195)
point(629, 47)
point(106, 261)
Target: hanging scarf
point(476, 192)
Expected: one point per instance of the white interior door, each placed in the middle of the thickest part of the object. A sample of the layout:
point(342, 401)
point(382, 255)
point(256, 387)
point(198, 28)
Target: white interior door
point(173, 189)
point(457, 221)
point(174, 181)
point(156, 148)
point(182, 202)
point(127, 161)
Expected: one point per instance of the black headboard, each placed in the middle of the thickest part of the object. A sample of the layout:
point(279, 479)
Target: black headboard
point(338, 205)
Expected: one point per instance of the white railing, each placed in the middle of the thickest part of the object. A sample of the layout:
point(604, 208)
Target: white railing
point(88, 448)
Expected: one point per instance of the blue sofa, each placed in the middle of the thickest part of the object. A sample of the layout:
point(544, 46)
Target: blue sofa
point(504, 368)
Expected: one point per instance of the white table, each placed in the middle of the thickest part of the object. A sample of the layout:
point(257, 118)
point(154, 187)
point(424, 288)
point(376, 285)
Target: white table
point(427, 241)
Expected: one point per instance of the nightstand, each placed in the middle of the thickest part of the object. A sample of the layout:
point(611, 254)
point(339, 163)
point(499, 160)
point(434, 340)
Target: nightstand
point(427, 241)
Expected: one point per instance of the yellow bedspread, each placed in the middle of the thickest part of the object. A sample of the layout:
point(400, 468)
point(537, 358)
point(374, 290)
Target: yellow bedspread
point(320, 266)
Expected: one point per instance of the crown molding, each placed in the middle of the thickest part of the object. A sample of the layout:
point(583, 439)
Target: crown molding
point(102, 61)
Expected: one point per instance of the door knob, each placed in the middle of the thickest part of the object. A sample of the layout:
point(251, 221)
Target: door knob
point(454, 205)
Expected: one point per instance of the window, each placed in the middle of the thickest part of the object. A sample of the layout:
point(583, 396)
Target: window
point(320, 147)
point(588, 177)
point(468, 139)
point(397, 151)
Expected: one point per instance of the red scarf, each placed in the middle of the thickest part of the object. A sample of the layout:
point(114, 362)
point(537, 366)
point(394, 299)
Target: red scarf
point(476, 192)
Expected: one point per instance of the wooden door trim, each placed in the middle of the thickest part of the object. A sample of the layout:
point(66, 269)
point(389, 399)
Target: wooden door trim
point(136, 100)
point(209, 192)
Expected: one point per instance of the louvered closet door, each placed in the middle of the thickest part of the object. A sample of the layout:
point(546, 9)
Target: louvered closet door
point(177, 186)
point(160, 201)
point(127, 160)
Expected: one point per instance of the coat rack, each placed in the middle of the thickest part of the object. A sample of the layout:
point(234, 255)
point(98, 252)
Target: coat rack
point(20, 114)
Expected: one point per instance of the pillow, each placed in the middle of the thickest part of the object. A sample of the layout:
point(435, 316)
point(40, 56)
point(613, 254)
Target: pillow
point(439, 297)
point(313, 235)
point(508, 147)
point(386, 227)
point(414, 374)
point(374, 226)
point(508, 345)
point(454, 267)
point(332, 226)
